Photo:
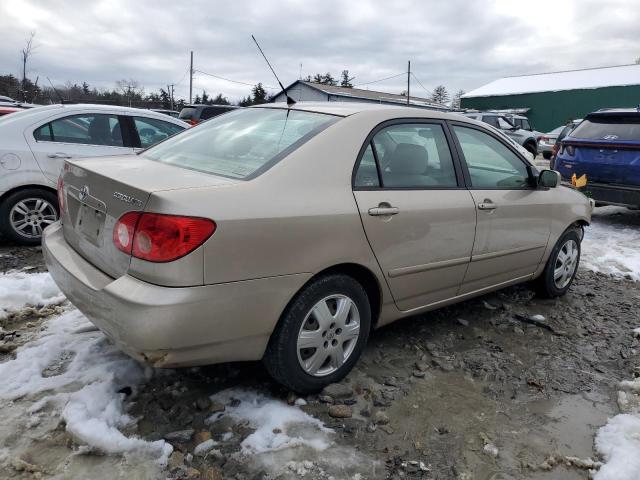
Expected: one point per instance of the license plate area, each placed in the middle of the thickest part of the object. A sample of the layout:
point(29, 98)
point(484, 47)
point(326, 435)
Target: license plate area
point(91, 224)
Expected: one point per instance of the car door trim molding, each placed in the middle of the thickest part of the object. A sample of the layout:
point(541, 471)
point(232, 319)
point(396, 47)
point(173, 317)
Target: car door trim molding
point(509, 251)
point(398, 272)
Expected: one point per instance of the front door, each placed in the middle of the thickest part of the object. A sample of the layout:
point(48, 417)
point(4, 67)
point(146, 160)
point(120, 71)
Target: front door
point(75, 136)
point(514, 218)
point(418, 217)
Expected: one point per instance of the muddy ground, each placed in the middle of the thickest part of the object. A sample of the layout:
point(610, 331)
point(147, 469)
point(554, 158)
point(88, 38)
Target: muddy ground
point(482, 390)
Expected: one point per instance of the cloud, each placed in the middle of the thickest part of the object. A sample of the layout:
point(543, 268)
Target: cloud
point(458, 43)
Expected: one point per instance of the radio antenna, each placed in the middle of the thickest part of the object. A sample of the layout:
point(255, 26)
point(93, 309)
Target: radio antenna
point(290, 101)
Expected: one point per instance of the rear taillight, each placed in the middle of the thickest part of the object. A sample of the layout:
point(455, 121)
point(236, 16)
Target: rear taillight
point(543, 139)
point(192, 122)
point(60, 194)
point(160, 238)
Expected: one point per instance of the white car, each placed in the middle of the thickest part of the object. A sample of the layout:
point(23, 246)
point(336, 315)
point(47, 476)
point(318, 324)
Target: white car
point(35, 143)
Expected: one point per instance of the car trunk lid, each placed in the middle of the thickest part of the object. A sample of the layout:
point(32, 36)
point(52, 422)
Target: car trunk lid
point(98, 191)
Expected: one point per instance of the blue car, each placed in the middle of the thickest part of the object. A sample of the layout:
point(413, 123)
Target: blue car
point(606, 147)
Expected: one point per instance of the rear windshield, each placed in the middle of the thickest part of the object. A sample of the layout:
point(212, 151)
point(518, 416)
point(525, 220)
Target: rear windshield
point(242, 143)
point(609, 128)
point(187, 113)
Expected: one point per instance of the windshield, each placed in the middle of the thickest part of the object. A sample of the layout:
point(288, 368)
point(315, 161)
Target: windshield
point(609, 127)
point(241, 143)
point(187, 113)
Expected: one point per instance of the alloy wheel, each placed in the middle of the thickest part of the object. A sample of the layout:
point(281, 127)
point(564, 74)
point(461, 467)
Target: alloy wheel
point(29, 217)
point(328, 335)
point(566, 264)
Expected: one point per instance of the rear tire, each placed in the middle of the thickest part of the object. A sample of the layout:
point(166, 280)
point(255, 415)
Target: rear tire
point(561, 267)
point(25, 213)
point(321, 334)
point(546, 155)
point(531, 147)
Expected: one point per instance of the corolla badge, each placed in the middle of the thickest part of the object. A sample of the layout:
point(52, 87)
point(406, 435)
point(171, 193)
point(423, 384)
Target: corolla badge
point(127, 198)
point(610, 137)
point(83, 193)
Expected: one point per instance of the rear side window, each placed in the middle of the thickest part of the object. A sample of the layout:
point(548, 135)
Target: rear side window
point(409, 156)
point(188, 113)
point(241, 143)
point(490, 163)
point(95, 129)
point(609, 128)
point(152, 131)
point(210, 112)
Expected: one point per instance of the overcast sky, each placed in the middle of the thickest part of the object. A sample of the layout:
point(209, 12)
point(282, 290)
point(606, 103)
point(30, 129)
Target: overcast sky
point(459, 43)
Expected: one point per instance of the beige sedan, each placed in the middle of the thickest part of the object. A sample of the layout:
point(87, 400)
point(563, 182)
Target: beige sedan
point(287, 234)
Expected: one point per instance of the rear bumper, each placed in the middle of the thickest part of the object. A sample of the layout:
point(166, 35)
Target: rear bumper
point(167, 326)
point(623, 195)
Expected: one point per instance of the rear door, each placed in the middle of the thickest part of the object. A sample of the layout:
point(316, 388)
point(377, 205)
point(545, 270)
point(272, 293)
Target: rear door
point(418, 218)
point(74, 136)
point(514, 218)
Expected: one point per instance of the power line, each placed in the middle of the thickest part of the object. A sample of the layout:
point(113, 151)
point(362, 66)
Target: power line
point(381, 80)
point(234, 81)
point(420, 83)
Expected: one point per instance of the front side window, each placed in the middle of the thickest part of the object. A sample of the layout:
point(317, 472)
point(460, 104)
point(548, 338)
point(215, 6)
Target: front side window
point(491, 164)
point(409, 156)
point(241, 143)
point(87, 129)
point(152, 131)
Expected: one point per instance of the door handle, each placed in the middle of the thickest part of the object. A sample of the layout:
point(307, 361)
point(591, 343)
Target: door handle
point(487, 205)
point(58, 155)
point(383, 211)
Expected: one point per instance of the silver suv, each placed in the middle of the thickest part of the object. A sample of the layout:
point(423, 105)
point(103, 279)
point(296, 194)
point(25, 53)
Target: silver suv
point(526, 138)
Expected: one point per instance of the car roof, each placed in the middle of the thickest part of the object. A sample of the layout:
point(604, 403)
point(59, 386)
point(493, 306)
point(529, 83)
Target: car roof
point(345, 109)
point(71, 108)
point(615, 111)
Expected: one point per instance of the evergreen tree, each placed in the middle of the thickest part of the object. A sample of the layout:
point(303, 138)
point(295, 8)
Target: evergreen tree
point(220, 100)
point(346, 80)
point(246, 102)
point(440, 95)
point(85, 89)
point(327, 79)
point(318, 78)
point(205, 97)
point(259, 94)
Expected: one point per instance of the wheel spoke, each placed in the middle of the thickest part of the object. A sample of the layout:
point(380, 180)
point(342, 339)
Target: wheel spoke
point(20, 225)
point(21, 208)
point(342, 312)
point(351, 331)
point(557, 273)
point(315, 361)
point(336, 357)
point(322, 314)
point(310, 339)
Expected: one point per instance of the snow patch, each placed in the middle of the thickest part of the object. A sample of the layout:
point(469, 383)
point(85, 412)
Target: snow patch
point(278, 426)
point(204, 447)
point(619, 444)
point(610, 243)
point(18, 289)
point(84, 392)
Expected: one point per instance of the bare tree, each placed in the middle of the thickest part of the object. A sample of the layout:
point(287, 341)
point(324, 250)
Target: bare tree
point(26, 54)
point(131, 89)
point(455, 101)
point(638, 61)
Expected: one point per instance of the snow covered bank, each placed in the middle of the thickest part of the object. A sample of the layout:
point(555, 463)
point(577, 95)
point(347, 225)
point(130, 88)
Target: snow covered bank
point(618, 442)
point(78, 376)
point(18, 289)
point(611, 243)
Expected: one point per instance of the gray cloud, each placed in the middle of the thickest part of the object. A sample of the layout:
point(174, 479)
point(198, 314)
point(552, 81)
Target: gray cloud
point(458, 43)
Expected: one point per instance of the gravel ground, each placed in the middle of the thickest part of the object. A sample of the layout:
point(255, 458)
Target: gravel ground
point(504, 386)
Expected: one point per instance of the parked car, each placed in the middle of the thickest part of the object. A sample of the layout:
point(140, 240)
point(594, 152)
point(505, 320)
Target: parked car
point(171, 113)
point(6, 110)
point(34, 144)
point(558, 143)
point(5, 99)
point(605, 147)
point(525, 138)
point(287, 234)
point(194, 114)
point(547, 141)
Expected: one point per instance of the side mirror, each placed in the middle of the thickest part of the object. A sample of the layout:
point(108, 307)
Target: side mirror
point(548, 179)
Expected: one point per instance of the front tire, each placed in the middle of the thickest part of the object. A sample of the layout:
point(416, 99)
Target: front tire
point(562, 266)
point(321, 334)
point(531, 147)
point(26, 213)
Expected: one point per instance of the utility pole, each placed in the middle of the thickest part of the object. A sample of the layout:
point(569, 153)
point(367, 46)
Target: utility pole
point(191, 77)
point(170, 92)
point(408, 81)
